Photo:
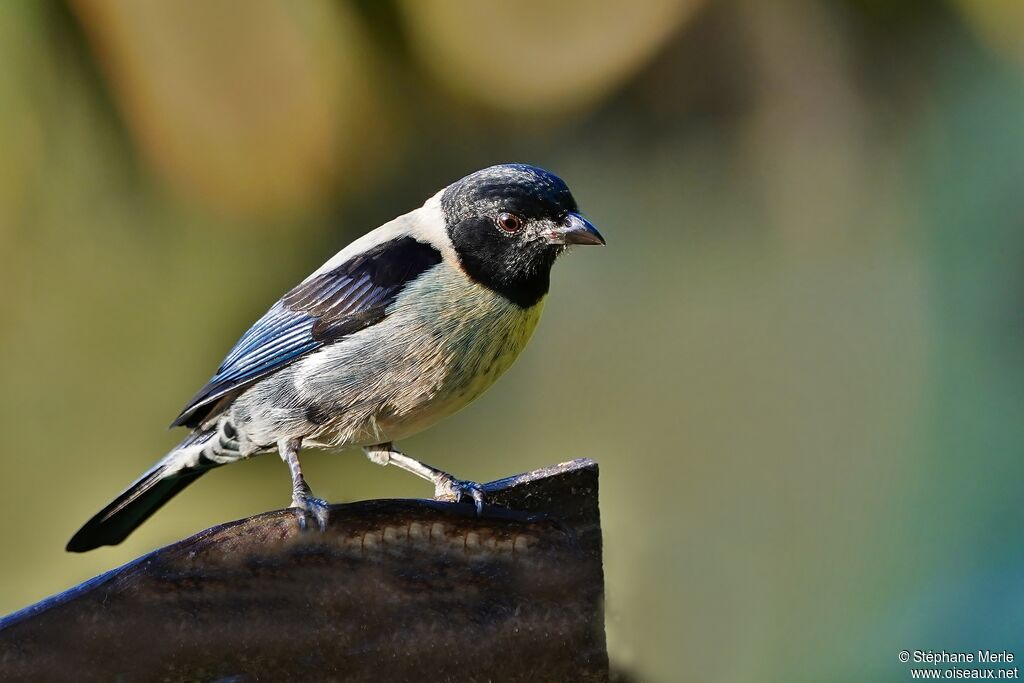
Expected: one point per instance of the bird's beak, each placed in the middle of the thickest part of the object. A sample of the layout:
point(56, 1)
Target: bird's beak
point(575, 229)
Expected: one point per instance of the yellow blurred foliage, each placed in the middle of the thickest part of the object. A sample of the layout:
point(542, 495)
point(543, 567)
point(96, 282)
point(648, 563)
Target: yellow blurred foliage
point(21, 134)
point(999, 23)
point(539, 57)
point(248, 106)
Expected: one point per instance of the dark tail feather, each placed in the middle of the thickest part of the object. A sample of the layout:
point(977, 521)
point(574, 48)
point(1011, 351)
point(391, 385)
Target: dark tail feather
point(112, 524)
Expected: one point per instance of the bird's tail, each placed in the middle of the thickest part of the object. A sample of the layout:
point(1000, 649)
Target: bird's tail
point(187, 462)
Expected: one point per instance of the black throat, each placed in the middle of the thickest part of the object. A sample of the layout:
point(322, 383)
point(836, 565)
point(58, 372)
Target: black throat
point(501, 264)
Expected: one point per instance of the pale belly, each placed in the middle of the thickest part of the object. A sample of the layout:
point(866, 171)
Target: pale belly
point(448, 401)
point(439, 355)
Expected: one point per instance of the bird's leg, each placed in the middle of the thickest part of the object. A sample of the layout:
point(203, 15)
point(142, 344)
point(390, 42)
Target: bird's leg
point(446, 487)
point(302, 495)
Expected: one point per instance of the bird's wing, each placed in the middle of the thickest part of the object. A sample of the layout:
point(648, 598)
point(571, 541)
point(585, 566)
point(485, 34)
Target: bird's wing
point(323, 309)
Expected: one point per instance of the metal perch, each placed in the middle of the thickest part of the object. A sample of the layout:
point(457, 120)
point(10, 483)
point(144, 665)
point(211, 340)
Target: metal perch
point(393, 590)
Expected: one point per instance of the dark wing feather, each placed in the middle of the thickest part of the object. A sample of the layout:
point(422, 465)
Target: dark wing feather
point(321, 310)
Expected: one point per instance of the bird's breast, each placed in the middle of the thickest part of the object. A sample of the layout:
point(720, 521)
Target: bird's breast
point(443, 342)
point(464, 337)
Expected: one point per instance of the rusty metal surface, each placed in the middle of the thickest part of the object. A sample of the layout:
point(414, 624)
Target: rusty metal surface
point(393, 590)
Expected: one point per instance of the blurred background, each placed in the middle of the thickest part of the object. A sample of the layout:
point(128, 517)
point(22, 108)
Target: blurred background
point(799, 361)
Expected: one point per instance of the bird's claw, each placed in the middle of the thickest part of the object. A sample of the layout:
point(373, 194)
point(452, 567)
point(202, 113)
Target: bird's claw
point(452, 489)
point(308, 506)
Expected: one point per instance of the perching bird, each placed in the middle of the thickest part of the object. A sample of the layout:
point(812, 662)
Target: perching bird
point(398, 330)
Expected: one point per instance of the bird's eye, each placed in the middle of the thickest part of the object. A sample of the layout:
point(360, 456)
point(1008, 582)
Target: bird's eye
point(509, 222)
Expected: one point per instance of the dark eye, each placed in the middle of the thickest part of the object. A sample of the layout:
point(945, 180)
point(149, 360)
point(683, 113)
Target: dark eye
point(509, 222)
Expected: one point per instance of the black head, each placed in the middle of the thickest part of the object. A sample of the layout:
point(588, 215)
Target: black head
point(509, 223)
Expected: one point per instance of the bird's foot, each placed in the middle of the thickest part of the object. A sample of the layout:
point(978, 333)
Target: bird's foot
point(308, 506)
point(447, 487)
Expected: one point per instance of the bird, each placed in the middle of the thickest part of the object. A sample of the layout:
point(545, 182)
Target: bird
point(400, 329)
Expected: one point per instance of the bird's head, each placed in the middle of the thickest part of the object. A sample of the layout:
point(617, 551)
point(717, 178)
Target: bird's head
point(509, 223)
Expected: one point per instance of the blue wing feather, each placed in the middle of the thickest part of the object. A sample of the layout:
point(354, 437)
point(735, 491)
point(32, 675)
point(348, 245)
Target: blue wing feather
point(320, 311)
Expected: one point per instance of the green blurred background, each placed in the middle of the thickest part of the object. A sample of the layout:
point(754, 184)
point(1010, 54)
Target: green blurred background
point(799, 361)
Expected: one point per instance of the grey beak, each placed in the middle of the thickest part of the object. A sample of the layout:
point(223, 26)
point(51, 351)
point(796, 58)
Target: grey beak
point(575, 229)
